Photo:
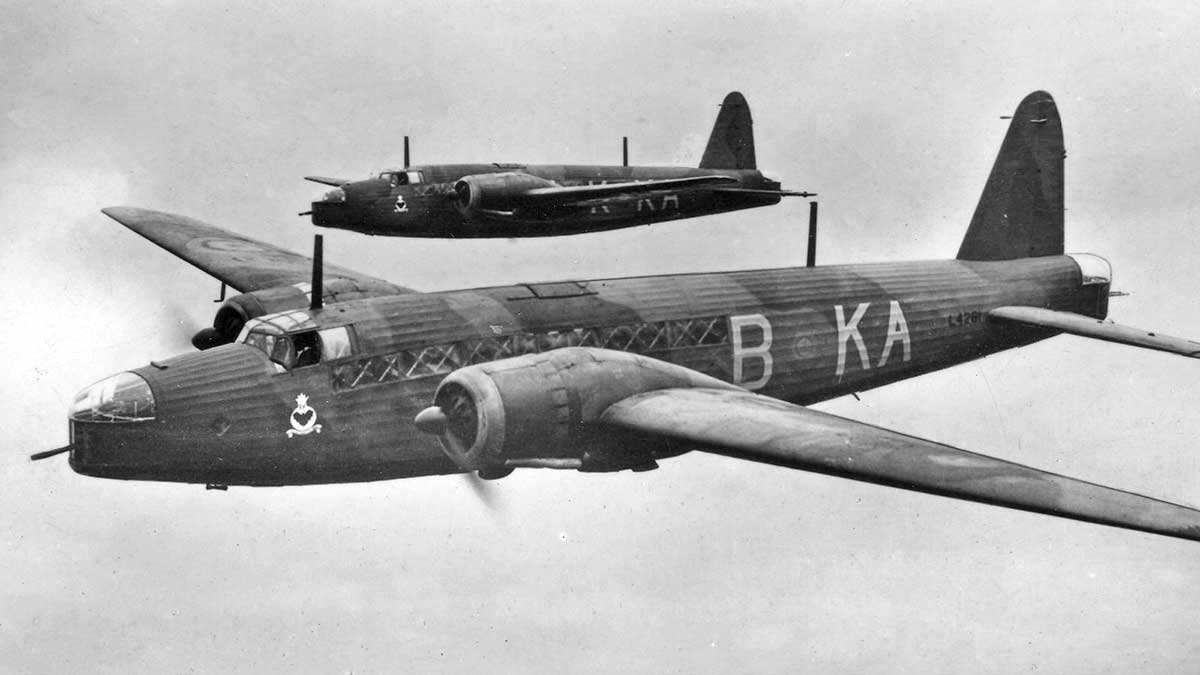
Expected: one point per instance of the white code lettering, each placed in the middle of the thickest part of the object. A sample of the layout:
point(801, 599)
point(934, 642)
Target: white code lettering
point(849, 330)
point(761, 351)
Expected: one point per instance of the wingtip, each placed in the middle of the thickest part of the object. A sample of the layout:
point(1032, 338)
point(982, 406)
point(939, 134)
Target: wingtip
point(122, 213)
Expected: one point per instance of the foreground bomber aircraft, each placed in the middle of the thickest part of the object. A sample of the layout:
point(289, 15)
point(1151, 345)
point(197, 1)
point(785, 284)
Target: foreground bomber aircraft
point(612, 374)
point(518, 200)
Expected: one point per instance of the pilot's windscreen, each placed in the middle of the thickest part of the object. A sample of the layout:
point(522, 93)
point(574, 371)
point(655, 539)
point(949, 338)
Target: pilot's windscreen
point(263, 342)
point(394, 177)
point(282, 352)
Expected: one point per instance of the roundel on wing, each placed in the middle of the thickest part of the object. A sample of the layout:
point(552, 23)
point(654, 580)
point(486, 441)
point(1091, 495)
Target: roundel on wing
point(228, 245)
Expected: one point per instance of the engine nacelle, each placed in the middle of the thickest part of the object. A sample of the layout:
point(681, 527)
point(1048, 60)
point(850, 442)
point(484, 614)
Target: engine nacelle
point(539, 410)
point(239, 309)
point(494, 191)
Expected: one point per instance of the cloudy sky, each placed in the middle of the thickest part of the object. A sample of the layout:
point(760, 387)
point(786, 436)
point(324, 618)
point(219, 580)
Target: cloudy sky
point(890, 111)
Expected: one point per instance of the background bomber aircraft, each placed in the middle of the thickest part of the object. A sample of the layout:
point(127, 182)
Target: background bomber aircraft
point(518, 200)
point(355, 379)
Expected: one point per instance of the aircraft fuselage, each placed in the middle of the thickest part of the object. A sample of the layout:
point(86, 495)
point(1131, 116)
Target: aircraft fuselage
point(419, 201)
point(228, 415)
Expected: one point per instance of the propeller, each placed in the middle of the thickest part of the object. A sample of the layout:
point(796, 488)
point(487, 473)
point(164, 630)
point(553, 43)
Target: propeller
point(179, 319)
point(458, 417)
point(483, 489)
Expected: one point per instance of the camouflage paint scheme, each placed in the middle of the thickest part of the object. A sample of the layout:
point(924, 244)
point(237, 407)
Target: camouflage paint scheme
point(420, 201)
point(613, 374)
point(223, 413)
point(370, 206)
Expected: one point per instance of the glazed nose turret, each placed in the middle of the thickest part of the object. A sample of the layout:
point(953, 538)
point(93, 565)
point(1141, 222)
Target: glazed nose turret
point(124, 397)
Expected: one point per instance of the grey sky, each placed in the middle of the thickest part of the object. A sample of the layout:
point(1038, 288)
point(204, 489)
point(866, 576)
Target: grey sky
point(889, 111)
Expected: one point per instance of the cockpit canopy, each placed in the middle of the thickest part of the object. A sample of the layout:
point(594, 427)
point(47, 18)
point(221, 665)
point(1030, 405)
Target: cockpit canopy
point(405, 177)
point(292, 340)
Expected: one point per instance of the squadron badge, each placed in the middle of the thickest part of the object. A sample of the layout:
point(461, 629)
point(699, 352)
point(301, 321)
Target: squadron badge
point(303, 418)
point(401, 205)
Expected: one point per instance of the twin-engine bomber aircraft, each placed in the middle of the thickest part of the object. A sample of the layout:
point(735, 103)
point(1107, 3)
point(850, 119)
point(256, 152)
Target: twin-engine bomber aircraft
point(518, 200)
point(368, 381)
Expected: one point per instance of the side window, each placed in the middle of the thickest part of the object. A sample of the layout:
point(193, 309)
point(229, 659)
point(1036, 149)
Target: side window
point(335, 343)
point(414, 177)
point(307, 349)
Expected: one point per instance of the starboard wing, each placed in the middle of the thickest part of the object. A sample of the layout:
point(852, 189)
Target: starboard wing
point(582, 192)
point(763, 193)
point(761, 429)
point(241, 262)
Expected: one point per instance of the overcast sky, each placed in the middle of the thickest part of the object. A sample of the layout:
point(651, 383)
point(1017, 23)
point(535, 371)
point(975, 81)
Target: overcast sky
point(890, 111)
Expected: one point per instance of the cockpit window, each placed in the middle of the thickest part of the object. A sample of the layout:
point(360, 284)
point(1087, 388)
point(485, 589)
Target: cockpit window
point(302, 349)
point(307, 349)
point(401, 177)
point(282, 352)
point(395, 177)
point(278, 348)
point(263, 342)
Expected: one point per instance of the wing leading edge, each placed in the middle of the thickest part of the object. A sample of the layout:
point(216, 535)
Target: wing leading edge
point(581, 192)
point(325, 180)
point(241, 262)
point(761, 429)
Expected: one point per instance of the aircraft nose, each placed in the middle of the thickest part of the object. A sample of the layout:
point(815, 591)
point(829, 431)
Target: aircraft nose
point(330, 211)
point(124, 397)
point(104, 416)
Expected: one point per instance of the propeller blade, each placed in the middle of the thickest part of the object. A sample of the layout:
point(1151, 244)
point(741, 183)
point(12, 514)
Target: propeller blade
point(49, 453)
point(483, 490)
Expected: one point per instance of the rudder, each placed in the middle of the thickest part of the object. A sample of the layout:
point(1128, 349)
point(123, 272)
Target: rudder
point(731, 143)
point(1020, 213)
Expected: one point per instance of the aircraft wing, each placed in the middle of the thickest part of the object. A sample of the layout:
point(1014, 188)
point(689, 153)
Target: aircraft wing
point(765, 193)
point(582, 192)
point(1086, 326)
point(761, 429)
point(323, 180)
point(241, 262)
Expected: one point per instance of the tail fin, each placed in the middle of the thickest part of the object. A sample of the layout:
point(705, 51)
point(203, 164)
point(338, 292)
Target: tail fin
point(731, 144)
point(1020, 214)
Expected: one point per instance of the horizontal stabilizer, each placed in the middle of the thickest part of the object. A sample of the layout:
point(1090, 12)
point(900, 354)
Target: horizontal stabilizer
point(582, 192)
point(241, 262)
point(765, 193)
point(323, 180)
point(1086, 326)
point(761, 429)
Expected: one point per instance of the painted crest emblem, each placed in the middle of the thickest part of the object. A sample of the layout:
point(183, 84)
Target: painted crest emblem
point(401, 205)
point(303, 418)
